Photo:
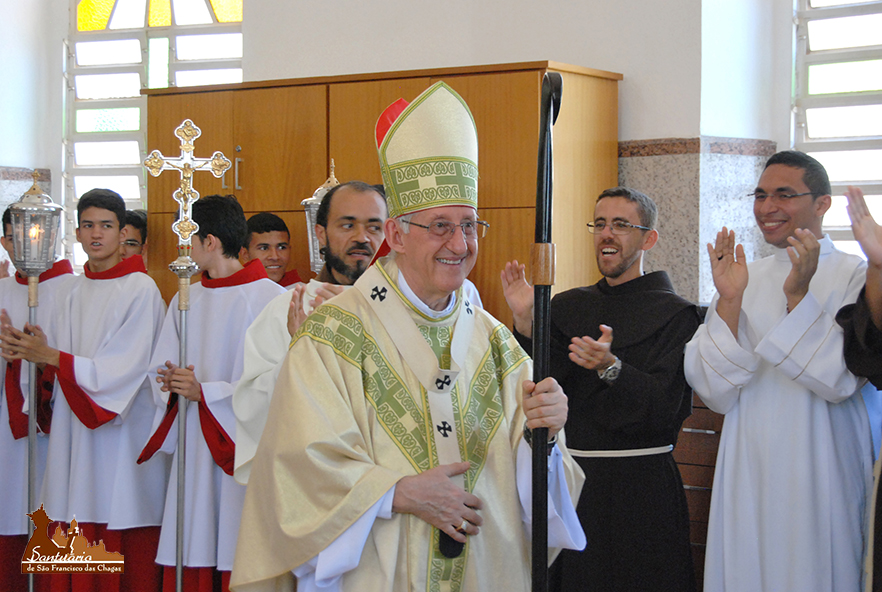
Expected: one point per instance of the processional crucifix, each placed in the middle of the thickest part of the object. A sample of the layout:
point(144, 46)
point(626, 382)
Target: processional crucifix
point(184, 267)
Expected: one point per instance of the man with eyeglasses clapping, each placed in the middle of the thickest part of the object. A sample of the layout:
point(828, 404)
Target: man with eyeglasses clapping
point(617, 351)
point(795, 458)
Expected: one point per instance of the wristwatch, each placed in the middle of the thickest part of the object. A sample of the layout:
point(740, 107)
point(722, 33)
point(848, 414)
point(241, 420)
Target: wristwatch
point(611, 372)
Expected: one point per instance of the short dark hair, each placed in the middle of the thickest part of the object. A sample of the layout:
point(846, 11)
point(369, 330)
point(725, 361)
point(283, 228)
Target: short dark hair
point(814, 175)
point(7, 218)
point(138, 219)
point(222, 216)
point(265, 222)
point(321, 217)
point(106, 200)
point(645, 206)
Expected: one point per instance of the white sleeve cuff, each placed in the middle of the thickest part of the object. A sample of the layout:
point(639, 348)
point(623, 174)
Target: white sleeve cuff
point(564, 529)
point(324, 571)
point(725, 354)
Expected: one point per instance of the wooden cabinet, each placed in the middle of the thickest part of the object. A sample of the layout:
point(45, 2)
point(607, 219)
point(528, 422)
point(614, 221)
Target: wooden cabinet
point(212, 113)
point(353, 109)
point(285, 132)
point(279, 146)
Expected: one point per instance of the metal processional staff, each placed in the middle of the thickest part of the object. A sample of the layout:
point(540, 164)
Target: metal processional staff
point(184, 267)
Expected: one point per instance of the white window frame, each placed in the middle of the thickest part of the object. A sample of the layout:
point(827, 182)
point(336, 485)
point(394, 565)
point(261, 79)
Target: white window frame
point(802, 100)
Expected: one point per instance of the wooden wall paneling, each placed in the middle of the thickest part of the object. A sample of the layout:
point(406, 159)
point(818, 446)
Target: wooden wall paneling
point(510, 237)
point(697, 448)
point(703, 418)
point(698, 533)
point(699, 503)
point(585, 163)
point(281, 136)
point(506, 111)
point(697, 475)
point(212, 113)
point(296, 222)
point(353, 110)
point(695, 454)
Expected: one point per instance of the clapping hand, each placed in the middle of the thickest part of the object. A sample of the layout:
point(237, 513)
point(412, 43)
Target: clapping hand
point(866, 231)
point(869, 235)
point(729, 267)
point(728, 264)
point(519, 296)
point(593, 354)
point(803, 251)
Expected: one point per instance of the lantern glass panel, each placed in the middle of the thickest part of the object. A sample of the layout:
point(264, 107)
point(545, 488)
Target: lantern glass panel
point(34, 235)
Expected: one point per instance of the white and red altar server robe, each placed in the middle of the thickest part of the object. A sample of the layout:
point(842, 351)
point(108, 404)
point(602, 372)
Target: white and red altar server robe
point(105, 413)
point(221, 310)
point(14, 411)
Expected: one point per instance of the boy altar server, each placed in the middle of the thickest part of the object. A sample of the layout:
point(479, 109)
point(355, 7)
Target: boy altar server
point(54, 283)
point(222, 307)
point(107, 327)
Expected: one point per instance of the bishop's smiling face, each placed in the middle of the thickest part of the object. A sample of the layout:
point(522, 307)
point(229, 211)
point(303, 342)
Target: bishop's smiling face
point(433, 266)
point(619, 255)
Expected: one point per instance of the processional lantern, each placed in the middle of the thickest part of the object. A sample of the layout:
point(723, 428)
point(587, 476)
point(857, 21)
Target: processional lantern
point(35, 222)
point(311, 205)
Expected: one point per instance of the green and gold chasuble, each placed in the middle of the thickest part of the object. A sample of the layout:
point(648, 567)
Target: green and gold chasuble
point(349, 418)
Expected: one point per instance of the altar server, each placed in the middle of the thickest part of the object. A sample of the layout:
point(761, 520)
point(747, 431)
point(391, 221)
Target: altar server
point(222, 306)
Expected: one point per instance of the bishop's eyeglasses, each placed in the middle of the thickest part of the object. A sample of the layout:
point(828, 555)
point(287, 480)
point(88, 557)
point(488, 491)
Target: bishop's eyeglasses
point(471, 229)
point(616, 227)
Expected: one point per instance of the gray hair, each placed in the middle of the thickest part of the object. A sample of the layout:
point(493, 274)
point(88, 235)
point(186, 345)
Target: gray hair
point(404, 222)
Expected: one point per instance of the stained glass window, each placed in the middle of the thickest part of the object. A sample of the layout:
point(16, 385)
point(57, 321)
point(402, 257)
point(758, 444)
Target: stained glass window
point(126, 119)
point(191, 12)
point(107, 153)
point(106, 53)
point(128, 15)
point(95, 15)
point(92, 15)
point(117, 48)
point(227, 11)
point(157, 67)
point(160, 13)
point(125, 185)
point(107, 86)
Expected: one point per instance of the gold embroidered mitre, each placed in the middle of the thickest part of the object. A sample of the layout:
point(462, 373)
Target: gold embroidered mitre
point(428, 152)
